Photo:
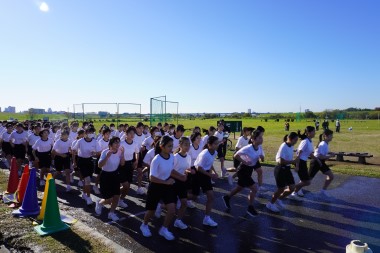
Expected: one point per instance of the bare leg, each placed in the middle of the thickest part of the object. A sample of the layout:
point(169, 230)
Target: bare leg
point(210, 201)
point(252, 194)
point(182, 210)
point(329, 179)
point(170, 212)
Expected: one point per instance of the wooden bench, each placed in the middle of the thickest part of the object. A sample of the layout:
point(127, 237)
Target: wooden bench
point(361, 156)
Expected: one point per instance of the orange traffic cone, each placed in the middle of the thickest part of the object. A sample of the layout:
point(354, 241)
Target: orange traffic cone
point(20, 193)
point(13, 177)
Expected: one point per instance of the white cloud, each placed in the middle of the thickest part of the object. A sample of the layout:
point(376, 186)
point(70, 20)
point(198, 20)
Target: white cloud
point(44, 7)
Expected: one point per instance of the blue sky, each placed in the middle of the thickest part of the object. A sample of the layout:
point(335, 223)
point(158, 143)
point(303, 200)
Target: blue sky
point(211, 56)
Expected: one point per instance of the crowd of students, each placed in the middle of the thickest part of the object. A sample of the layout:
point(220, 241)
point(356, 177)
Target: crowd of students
point(176, 167)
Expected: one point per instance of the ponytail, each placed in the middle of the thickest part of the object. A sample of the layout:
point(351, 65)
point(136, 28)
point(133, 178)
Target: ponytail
point(327, 132)
point(164, 141)
point(308, 129)
point(211, 140)
point(255, 134)
point(286, 137)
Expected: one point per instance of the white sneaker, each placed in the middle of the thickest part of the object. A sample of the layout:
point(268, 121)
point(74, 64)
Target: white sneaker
point(164, 232)
point(145, 230)
point(140, 191)
point(272, 207)
point(280, 204)
point(68, 188)
point(98, 208)
point(190, 204)
point(122, 204)
point(42, 182)
point(96, 189)
point(207, 221)
point(224, 173)
point(212, 181)
point(230, 180)
point(294, 196)
point(179, 224)
point(84, 196)
point(89, 201)
point(80, 183)
point(300, 193)
point(112, 216)
point(158, 211)
point(72, 177)
point(178, 204)
point(147, 187)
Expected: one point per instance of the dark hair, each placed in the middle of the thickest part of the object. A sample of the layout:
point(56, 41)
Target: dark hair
point(90, 130)
point(152, 130)
point(113, 140)
point(254, 135)
point(308, 129)
point(291, 136)
point(163, 142)
point(112, 125)
point(194, 136)
point(211, 140)
point(44, 130)
point(139, 124)
point(80, 132)
point(130, 129)
point(327, 132)
point(181, 141)
point(260, 128)
point(106, 130)
point(159, 124)
point(65, 132)
point(196, 127)
point(166, 124)
point(180, 128)
point(20, 125)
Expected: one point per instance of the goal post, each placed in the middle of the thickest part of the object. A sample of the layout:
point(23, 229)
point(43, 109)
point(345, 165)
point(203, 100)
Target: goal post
point(162, 110)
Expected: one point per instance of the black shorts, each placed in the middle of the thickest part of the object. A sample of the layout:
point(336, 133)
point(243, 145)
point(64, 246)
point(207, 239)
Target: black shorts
point(303, 172)
point(61, 163)
point(97, 170)
point(44, 159)
point(86, 166)
point(180, 189)
point(140, 163)
point(19, 151)
point(245, 176)
point(126, 172)
point(6, 148)
point(76, 161)
point(201, 181)
point(109, 184)
point(236, 163)
point(30, 153)
point(257, 165)
point(190, 179)
point(283, 176)
point(315, 167)
point(157, 192)
point(221, 153)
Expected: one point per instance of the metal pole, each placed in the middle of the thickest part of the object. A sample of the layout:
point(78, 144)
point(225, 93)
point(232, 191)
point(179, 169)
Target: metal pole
point(83, 112)
point(165, 108)
point(150, 116)
point(117, 115)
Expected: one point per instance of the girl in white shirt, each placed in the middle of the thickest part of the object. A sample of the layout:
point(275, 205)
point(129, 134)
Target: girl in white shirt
point(32, 138)
point(5, 143)
point(195, 149)
point(248, 156)
point(283, 175)
point(322, 153)
point(42, 154)
point(241, 143)
point(161, 187)
point(18, 141)
point(74, 159)
point(182, 164)
point(139, 139)
point(305, 149)
point(103, 144)
point(221, 155)
point(61, 153)
point(110, 160)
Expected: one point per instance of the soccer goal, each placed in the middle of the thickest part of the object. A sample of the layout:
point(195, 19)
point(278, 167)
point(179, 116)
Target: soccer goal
point(162, 110)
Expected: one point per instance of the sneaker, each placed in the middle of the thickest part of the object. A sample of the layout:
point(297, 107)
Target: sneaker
point(280, 204)
point(164, 232)
point(145, 230)
point(179, 224)
point(89, 201)
point(212, 181)
point(112, 216)
point(84, 196)
point(96, 189)
point(157, 213)
point(98, 207)
point(300, 193)
point(72, 177)
point(80, 183)
point(122, 204)
point(272, 207)
point(295, 197)
point(207, 221)
point(42, 182)
point(226, 201)
point(190, 204)
point(230, 180)
point(140, 191)
point(178, 206)
point(68, 188)
point(224, 173)
point(252, 212)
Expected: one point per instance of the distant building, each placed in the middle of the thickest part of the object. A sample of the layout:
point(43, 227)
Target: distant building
point(377, 109)
point(49, 111)
point(37, 110)
point(103, 114)
point(249, 111)
point(307, 110)
point(10, 109)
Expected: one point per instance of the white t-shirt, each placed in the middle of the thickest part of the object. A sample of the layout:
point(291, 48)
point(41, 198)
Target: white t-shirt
point(219, 135)
point(85, 148)
point(161, 168)
point(139, 140)
point(149, 157)
point(175, 142)
point(73, 135)
point(148, 142)
point(249, 155)
point(5, 136)
point(103, 144)
point(182, 163)
point(129, 149)
point(43, 146)
point(194, 153)
point(204, 140)
point(322, 150)
point(114, 133)
point(242, 142)
point(62, 147)
point(205, 159)
point(33, 139)
point(113, 162)
point(285, 152)
point(307, 148)
point(19, 138)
